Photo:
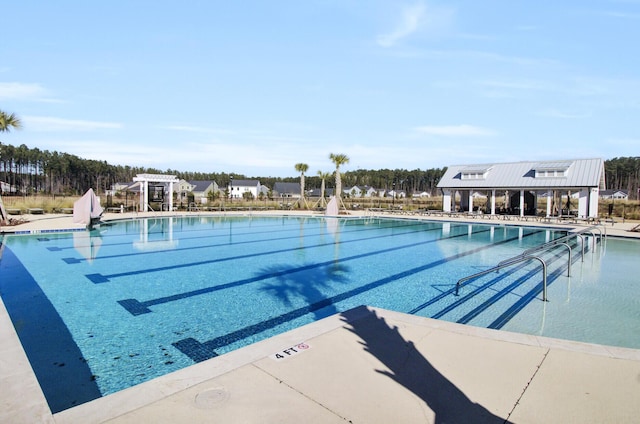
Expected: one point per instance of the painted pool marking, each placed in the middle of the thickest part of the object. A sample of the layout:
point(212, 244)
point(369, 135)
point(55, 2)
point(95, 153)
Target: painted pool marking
point(105, 278)
point(290, 351)
point(200, 351)
point(136, 307)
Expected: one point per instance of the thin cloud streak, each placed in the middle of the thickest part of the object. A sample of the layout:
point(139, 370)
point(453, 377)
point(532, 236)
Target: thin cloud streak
point(454, 130)
point(24, 92)
point(411, 20)
point(46, 123)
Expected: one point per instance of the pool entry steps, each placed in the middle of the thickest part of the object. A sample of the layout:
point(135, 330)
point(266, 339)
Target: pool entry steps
point(530, 255)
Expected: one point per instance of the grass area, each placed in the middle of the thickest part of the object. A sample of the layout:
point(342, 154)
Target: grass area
point(52, 204)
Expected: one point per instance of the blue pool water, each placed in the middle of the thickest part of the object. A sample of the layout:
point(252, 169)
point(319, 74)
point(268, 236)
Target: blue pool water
point(102, 311)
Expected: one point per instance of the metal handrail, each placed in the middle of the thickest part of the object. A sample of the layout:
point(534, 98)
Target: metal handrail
point(561, 240)
point(512, 262)
point(527, 256)
point(541, 247)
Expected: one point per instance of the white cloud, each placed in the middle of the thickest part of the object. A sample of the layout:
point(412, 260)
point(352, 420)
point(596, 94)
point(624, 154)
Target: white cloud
point(21, 91)
point(623, 15)
point(420, 18)
point(45, 123)
point(197, 129)
point(411, 20)
point(454, 130)
point(527, 28)
point(520, 85)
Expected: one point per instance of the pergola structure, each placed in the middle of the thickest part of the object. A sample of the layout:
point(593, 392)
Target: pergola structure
point(522, 182)
point(161, 184)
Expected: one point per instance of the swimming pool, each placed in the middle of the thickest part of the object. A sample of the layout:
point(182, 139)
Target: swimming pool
point(101, 311)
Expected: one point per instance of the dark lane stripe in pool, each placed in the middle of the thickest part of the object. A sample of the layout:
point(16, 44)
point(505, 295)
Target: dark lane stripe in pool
point(199, 352)
point(77, 260)
point(101, 278)
point(136, 307)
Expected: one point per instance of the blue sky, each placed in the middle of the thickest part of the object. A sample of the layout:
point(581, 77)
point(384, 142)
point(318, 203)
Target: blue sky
point(255, 87)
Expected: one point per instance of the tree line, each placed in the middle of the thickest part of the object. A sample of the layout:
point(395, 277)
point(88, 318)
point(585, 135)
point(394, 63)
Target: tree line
point(623, 174)
point(32, 171)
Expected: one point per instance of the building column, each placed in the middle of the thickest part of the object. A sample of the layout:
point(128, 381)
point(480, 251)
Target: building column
point(470, 200)
point(593, 202)
point(145, 198)
point(549, 201)
point(446, 200)
point(170, 196)
point(521, 203)
point(493, 202)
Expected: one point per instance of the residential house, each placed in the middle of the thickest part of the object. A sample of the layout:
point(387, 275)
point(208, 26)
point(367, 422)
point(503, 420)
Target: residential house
point(328, 192)
point(614, 194)
point(361, 191)
point(422, 194)
point(238, 188)
point(398, 194)
point(118, 188)
point(201, 190)
point(182, 190)
point(288, 190)
point(6, 188)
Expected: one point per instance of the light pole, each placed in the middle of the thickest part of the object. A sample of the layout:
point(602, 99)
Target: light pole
point(231, 187)
point(394, 194)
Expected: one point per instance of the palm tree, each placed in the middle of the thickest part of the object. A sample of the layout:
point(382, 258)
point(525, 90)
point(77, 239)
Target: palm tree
point(302, 168)
point(323, 176)
point(338, 159)
point(9, 120)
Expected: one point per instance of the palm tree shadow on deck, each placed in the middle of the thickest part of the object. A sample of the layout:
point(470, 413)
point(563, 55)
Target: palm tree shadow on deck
point(407, 366)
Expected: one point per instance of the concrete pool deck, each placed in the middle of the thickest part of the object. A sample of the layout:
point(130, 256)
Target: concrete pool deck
point(366, 365)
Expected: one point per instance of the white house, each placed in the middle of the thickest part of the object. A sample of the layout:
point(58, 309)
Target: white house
point(398, 194)
point(422, 194)
point(614, 194)
point(238, 188)
point(361, 191)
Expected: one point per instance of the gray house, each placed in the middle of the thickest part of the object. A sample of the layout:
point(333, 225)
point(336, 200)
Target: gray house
point(288, 190)
point(201, 190)
point(521, 182)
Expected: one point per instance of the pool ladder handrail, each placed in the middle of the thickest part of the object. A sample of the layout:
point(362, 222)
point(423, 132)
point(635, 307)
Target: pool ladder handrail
point(510, 262)
point(528, 255)
point(546, 247)
point(562, 241)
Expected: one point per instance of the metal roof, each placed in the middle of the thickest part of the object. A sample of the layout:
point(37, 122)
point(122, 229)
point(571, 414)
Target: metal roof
point(480, 169)
point(553, 166)
point(200, 185)
point(292, 188)
point(246, 183)
point(580, 173)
